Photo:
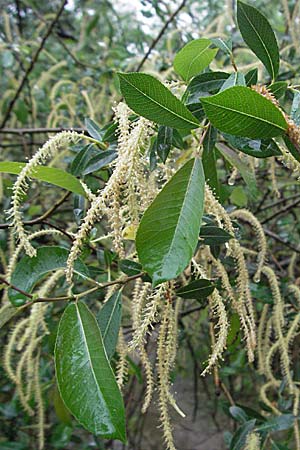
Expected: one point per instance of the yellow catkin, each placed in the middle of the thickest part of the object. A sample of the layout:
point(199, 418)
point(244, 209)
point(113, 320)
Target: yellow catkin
point(260, 339)
point(252, 441)
point(292, 266)
point(122, 366)
point(39, 403)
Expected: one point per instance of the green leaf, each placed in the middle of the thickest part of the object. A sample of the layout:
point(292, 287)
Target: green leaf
point(259, 148)
point(251, 77)
point(212, 235)
point(225, 46)
point(99, 161)
point(130, 267)
point(203, 84)
point(57, 177)
point(238, 414)
point(29, 271)
point(197, 289)
point(164, 142)
point(93, 129)
point(193, 58)
point(85, 379)
point(109, 321)
point(259, 36)
point(148, 97)
point(246, 172)
point(235, 79)
point(280, 423)
point(7, 312)
point(291, 147)
point(81, 159)
point(168, 233)
point(209, 159)
point(239, 197)
point(278, 89)
point(240, 436)
point(243, 112)
point(295, 111)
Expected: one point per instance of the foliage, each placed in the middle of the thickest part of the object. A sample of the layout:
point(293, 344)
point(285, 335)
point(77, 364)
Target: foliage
point(160, 243)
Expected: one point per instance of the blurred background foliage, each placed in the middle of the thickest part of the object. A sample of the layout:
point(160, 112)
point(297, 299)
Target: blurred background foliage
point(73, 78)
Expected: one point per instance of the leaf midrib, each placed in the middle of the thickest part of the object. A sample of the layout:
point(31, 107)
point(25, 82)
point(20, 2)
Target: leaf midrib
point(247, 115)
point(159, 104)
point(195, 59)
point(263, 44)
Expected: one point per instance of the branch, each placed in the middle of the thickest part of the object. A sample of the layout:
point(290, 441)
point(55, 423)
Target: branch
point(33, 299)
point(160, 34)
point(281, 211)
point(22, 131)
point(282, 241)
point(32, 64)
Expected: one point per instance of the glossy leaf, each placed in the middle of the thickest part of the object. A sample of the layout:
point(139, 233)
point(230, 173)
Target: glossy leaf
point(240, 436)
point(29, 271)
point(235, 79)
point(197, 289)
point(251, 77)
point(212, 235)
point(193, 58)
point(209, 159)
point(148, 97)
point(259, 148)
point(291, 147)
point(243, 112)
point(57, 177)
point(259, 36)
point(278, 89)
point(99, 161)
point(93, 129)
point(85, 379)
point(82, 158)
point(109, 321)
point(203, 84)
point(164, 142)
point(168, 233)
point(130, 267)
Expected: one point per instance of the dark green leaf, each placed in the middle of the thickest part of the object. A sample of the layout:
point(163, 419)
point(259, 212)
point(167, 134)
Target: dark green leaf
point(85, 379)
point(259, 36)
point(148, 97)
point(212, 235)
point(259, 148)
point(164, 142)
point(197, 110)
point(29, 271)
point(93, 129)
point(251, 77)
point(81, 160)
point(177, 140)
point(193, 58)
point(243, 112)
point(278, 89)
point(203, 84)
point(109, 321)
point(240, 436)
point(209, 159)
point(198, 289)
point(57, 177)
point(98, 162)
point(291, 147)
point(168, 233)
point(109, 132)
point(130, 267)
point(8, 311)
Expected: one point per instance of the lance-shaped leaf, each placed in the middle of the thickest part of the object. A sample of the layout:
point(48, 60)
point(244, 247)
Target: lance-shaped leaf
point(193, 58)
point(213, 235)
point(243, 112)
point(85, 379)
point(148, 97)
point(29, 271)
point(168, 233)
point(109, 320)
point(259, 36)
point(57, 177)
point(197, 289)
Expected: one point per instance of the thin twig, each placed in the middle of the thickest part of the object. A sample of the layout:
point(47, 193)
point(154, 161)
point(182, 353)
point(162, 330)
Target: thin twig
point(32, 64)
point(21, 131)
point(160, 34)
